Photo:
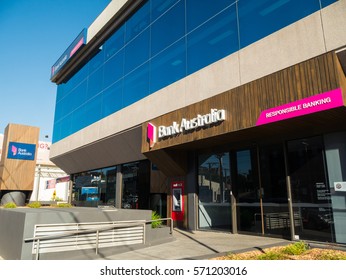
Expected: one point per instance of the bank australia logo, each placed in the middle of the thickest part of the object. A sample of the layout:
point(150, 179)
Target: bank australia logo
point(187, 125)
point(151, 134)
point(214, 117)
point(21, 151)
point(14, 150)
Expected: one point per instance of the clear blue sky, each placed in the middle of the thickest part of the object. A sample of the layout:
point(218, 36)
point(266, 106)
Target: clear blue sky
point(34, 33)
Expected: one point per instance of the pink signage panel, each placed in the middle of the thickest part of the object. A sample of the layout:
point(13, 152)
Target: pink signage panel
point(309, 105)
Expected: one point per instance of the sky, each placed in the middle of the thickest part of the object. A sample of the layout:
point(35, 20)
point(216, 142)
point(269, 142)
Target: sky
point(33, 35)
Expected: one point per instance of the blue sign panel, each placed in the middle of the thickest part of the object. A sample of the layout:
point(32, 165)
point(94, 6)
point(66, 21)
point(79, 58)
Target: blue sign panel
point(21, 151)
point(71, 50)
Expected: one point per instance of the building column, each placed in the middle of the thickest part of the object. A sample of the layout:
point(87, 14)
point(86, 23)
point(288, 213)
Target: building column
point(191, 193)
point(119, 188)
point(289, 194)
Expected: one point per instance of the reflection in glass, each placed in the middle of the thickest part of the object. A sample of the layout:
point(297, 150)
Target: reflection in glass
point(136, 185)
point(260, 18)
point(214, 191)
point(94, 188)
point(210, 35)
point(247, 191)
point(213, 40)
point(274, 191)
point(168, 66)
point(310, 190)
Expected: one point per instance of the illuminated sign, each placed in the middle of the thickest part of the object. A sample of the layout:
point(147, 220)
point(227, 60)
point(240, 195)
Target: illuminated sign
point(215, 116)
point(185, 125)
point(309, 105)
point(21, 151)
point(71, 50)
point(151, 133)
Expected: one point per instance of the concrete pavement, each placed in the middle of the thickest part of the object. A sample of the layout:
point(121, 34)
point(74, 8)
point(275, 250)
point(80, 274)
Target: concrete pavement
point(198, 245)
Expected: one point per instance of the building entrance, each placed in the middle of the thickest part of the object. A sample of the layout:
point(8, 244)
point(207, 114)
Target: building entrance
point(310, 189)
point(245, 190)
point(260, 190)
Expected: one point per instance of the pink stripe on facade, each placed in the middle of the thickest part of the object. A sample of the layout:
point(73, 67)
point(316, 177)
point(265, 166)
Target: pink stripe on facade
point(76, 47)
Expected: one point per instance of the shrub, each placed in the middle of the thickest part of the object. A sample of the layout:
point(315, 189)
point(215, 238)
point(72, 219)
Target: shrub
point(10, 205)
point(297, 248)
point(63, 205)
point(35, 204)
point(272, 256)
point(155, 220)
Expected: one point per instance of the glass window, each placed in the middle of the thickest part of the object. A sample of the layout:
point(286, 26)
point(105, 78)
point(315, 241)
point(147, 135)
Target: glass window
point(78, 119)
point(168, 67)
point(66, 125)
point(114, 43)
point(310, 189)
point(159, 7)
point(137, 52)
point(76, 79)
point(60, 93)
point(136, 185)
point(94, 83)
point(58, 111)
point(211, 34)
point(325, 3)
point(260, 18)
point(168, 29)
point(76, 98)
point(114, 69)
point(212, 41)
point(67, 106)
point(247, 190)
point(57, 131)
point(93, 188)
point(137, 22)
point(197, 11)
point(136, 85)
point(108, 183)
point(87, 188)
point(112, 99)
point(214, 183)
point(93, 110)
point(96, 61)
point(273, 190)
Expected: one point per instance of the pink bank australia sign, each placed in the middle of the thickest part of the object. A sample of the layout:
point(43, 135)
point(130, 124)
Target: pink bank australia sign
point(320, 102)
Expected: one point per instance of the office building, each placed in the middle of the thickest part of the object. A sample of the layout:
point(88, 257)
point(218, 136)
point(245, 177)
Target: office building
point(224, 115)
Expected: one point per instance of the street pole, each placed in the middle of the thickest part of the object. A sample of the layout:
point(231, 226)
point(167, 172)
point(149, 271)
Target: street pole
point(38, 181)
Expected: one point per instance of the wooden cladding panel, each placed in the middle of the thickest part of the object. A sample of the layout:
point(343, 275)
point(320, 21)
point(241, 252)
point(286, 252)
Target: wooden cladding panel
point(244, 104)
point(18, 174)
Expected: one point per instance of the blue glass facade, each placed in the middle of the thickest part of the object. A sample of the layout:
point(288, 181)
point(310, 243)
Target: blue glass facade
point(164, 41)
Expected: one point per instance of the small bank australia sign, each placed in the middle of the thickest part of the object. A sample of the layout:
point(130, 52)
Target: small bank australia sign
point(22, 151)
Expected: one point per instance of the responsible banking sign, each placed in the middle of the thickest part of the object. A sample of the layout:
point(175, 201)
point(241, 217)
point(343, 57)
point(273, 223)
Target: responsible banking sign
point(76, 45)
point(21, 151)
point(317, 103)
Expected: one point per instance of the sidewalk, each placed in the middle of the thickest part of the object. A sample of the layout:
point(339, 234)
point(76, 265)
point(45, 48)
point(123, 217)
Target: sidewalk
point(198, 245)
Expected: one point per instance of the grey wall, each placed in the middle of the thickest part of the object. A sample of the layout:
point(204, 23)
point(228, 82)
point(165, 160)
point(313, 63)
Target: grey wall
point(18, 224)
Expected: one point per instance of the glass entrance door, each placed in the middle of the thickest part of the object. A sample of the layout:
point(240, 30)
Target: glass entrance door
point(245, 185)
point(259, 184)
point(310, 190)
point(214, 210)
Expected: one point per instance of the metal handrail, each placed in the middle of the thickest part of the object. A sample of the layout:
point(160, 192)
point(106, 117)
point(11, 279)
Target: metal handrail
point(97, 230)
